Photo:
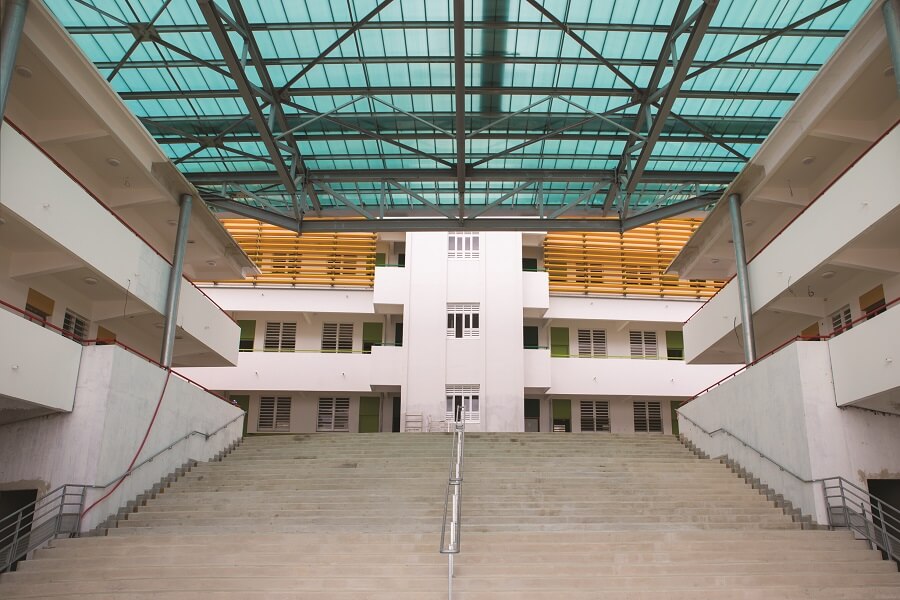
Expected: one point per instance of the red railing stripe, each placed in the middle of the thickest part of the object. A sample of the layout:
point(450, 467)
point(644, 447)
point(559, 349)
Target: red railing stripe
point(799, 338)
point(110, 211)
point(791, 222)
point(94, 342)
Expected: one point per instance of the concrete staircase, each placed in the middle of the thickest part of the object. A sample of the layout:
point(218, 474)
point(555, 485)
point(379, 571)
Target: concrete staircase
point(571, 516)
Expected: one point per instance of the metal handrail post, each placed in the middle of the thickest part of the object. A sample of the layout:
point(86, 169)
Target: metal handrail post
point(844, 503)
point(80, 509)
point(886, 539)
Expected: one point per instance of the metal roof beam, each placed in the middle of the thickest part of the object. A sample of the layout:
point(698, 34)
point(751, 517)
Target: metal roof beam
point(459, 95)
point(632, 173)
point(478, 175)
point(672, 210)
point(245, 89)
point(431, 90)
point(389, 25)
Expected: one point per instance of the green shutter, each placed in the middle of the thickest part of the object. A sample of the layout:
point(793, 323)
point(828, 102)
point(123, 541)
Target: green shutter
point(674, 345)
point(373, 335)
point(562, 409)
point(248, 334)
point(368, 414)
point(380, 259)
point(559, 341)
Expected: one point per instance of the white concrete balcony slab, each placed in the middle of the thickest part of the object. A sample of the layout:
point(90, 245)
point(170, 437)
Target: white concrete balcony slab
point(535, 293)
point(537, 368)
point(289, 371)
point(38, 369)
point(865, 362)
point(64, 214)
point(244, 298)
point(391, 290)
point(632, 377)
point(850, 229)
point(387, 367)
point(670, 310)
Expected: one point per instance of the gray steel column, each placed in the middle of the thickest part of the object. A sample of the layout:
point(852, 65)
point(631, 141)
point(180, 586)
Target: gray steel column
point(10, 35)
point(740, 259)
point(184, 219)
point(891, 10)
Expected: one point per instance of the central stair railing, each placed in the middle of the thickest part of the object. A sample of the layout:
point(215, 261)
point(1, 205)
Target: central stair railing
point(450, 528)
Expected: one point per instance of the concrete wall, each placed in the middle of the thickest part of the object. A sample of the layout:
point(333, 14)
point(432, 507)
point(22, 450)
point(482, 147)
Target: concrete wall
point(785, 408)
point(645, 310)
point(260, 299)
point(115, 398)
point(37, 365)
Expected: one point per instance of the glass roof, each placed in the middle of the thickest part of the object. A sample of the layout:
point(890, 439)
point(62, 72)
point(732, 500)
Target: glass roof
point(587, 107)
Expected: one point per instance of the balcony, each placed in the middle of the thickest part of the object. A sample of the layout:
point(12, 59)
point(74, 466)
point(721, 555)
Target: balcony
point(537, 369)
point(535, 293)
point(303, 371)
point(62, 219)
point(387, 367)
point(391, 290)
point(848, 232)
point(632, 377)
point(39, 367)
point(865, 362)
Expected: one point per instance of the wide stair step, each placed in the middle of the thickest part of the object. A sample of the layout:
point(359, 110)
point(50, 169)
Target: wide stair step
point(341, 516)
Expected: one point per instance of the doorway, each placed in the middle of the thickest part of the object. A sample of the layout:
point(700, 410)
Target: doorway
point(395, 417)
point(562, 415)
point(532, 414)
point(10, 502)
point(369, 413)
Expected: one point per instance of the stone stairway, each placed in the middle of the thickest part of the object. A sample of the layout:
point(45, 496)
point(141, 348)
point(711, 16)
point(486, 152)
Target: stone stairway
point(574, 516)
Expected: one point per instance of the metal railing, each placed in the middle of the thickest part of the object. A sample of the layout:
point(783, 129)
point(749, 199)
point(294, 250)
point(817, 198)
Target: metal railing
point(850, 506)
point(450, 541)
point(56, 513)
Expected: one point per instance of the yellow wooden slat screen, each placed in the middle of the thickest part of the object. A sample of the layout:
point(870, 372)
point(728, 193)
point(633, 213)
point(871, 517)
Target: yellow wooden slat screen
point(623, 264)
point(335, 259)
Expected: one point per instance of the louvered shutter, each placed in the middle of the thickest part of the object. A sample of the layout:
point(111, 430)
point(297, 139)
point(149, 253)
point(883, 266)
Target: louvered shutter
point(329, 336)
point(333, 414)
point(640, 416)
point(650, 346)
point(341, 414)
point(266, 420)
point(345, 337)
point(584, 342)
point(654, 417)
point(594, 415)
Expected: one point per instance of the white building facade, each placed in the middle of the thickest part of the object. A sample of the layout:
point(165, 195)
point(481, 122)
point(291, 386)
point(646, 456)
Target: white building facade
point(461, 323)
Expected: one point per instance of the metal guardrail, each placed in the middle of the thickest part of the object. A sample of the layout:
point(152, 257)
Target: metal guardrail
point(450, 541)
point(56, 513)
point(850, 506)
point(59, 512)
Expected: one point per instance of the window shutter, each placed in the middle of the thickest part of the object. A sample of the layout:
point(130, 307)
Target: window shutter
point(345, 337)
point(333, 414)
point(288, 336)
point(272, 339)
point(650, 347)
point(559, 341)
point(274, 414)
point(636, 340)
point(643, 344)
point(640, 416)
point(76, 325)
point(464, 395)
point(584, 343)
point(266, 420)
point(594, 415)
point(329, 336)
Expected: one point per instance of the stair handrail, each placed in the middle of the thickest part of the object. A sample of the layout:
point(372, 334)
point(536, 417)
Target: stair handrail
point(55, 513)
point(748, 445)
point(848, 505)
point(450, 544)
point(31, 526)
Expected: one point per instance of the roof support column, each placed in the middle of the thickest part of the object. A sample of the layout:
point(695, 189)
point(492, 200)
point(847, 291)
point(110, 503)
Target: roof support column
point(174, 291)
point(740, 259)
point(891, 10)
point(10, 36)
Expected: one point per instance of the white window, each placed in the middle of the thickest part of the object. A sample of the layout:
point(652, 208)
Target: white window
point(463, 320)
point(274, 414)
point(337, 337)
point(648, 417)
point(643, 344)
point(463, 245)
point(594, 415)
point(76, 325)
point(334, 414)
point(841, 321)
point(592, 342)
point(280, 337)
point(464, 398)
